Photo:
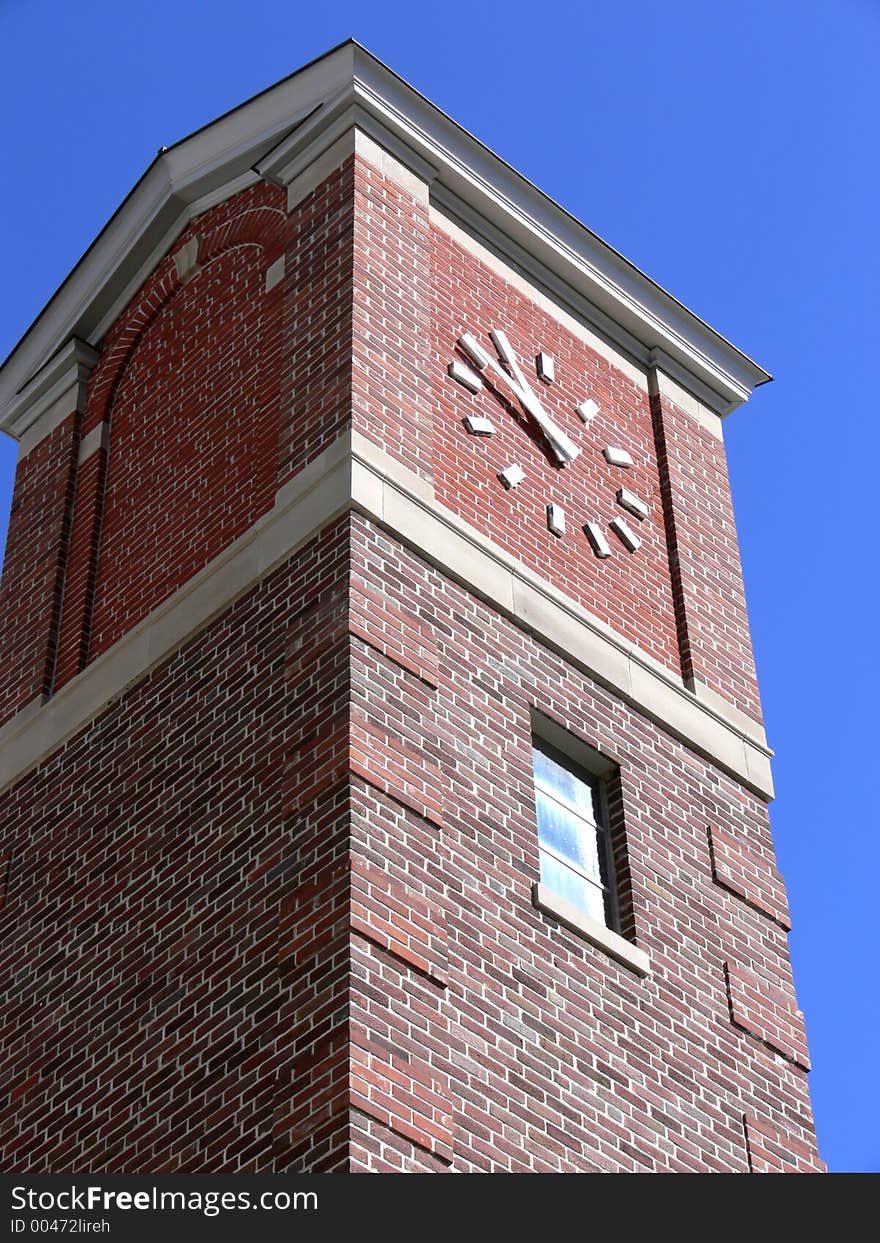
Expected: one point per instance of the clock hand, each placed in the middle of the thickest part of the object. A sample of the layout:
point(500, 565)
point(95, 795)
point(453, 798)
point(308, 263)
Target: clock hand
point(565, 449)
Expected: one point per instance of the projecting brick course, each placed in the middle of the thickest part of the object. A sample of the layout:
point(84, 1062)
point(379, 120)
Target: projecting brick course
point(33, 567)
point(737, 867)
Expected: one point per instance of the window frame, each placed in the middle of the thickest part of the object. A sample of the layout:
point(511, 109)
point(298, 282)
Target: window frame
point(575, 754)
point(602, 828)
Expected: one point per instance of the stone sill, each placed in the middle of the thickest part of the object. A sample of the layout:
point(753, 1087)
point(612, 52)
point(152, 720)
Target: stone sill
point(597, 934)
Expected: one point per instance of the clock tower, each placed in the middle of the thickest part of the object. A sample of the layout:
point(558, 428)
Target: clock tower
point(383, 783)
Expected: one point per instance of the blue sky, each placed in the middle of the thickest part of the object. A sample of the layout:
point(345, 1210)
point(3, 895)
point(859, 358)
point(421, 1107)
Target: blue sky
point(727, 148)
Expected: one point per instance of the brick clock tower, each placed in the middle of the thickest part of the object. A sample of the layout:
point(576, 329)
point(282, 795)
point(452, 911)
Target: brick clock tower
point(382, 777)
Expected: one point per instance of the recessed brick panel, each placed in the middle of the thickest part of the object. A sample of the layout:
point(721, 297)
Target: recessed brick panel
point(317, 291)
point(631, 592)
point(194, 436)
point(82, 565)
point(713, 626)
point(5, 869)
point(393, 303)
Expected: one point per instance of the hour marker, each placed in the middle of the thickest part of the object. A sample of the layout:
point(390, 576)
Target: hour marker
point(475, 352)
point(478, 426)
point(633, 503)
point(544, 364)
point(588, 409)
point(626, 536)
point(504, 348)
point(556, 518)
point(465, 376)
point(512, 476)
point(617, 457)
point(596, 536)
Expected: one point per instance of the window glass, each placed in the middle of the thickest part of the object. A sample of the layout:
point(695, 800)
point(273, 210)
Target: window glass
point(575, 888)
point(562, 782)
point(567, 835)
point(572, 834)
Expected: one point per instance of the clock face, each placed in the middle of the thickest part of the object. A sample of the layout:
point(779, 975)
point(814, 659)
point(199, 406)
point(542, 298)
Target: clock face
point(485, 374)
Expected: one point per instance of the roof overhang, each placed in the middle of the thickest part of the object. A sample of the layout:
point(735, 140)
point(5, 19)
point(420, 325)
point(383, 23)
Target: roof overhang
point(277, 133)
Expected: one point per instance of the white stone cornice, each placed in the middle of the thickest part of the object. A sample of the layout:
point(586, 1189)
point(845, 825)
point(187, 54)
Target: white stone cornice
point(57, 390)
point(470, 172)
point(278, 131)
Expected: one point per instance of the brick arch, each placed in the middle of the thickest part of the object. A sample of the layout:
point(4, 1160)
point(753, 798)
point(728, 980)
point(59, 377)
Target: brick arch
point(227, 229)
point(259, 226)
point(254, 226)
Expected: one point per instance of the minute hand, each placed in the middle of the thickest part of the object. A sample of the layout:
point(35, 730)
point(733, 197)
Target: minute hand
point(564, 449)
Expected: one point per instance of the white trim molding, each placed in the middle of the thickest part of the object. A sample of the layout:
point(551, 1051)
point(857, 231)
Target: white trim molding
point(278, 133)
point(97, 438)
point(597, 934)
point(352, 473)
point(56, 391)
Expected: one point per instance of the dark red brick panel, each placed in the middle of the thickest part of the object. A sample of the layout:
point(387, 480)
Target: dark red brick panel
point(34, 567)
point(631, 592)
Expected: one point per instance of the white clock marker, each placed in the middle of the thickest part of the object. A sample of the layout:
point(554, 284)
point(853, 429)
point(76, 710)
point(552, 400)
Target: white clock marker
point(633, 503)
point(545, 368)
point(596, 536)
point(478, 426)
point(504, 348)
point(626, 536)
point(512, 476)
point(588, 409)
point(617, 457)
point(556, 518)
point(504, 368)
point(465, 376)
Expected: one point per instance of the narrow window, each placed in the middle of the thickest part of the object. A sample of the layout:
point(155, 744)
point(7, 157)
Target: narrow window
point(573, 836)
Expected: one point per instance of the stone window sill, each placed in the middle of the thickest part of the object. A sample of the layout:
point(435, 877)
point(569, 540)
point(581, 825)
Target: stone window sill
point(597, 934)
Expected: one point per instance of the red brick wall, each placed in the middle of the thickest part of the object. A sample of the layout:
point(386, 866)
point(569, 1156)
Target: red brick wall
point(551, 1055)
point(266, 952)
point(168, 931)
